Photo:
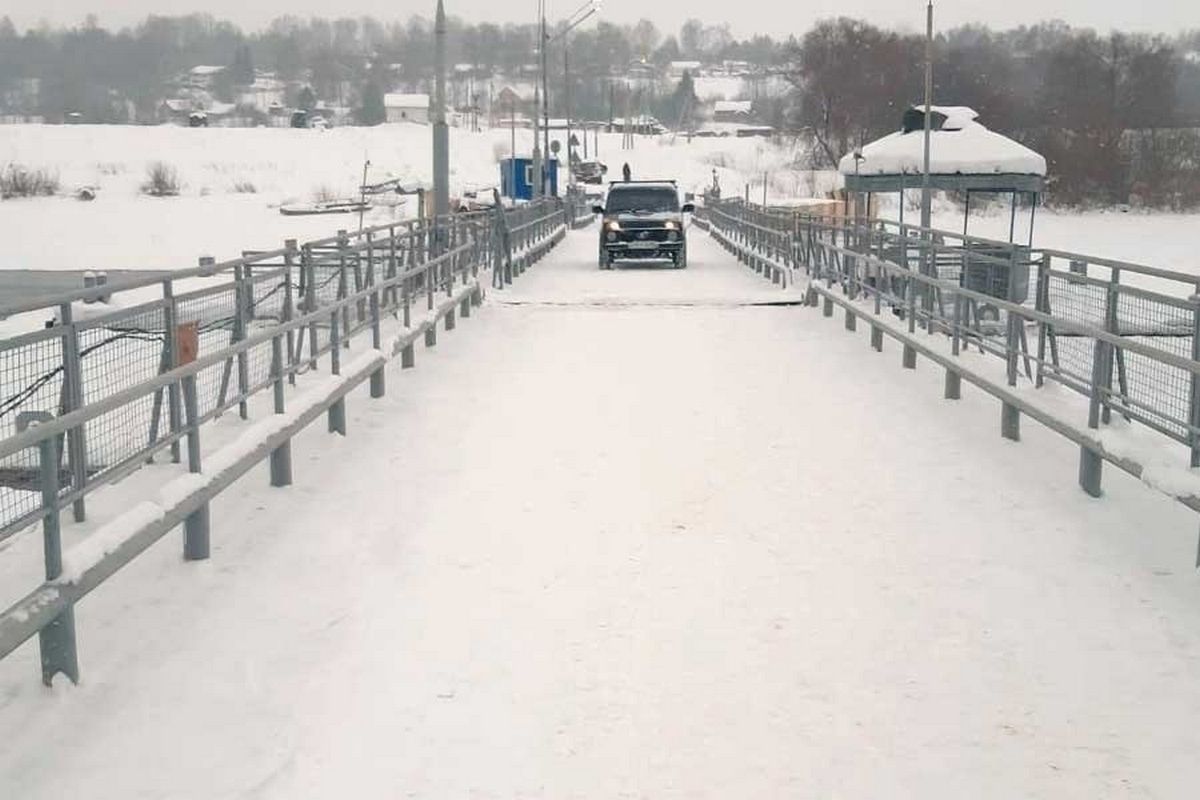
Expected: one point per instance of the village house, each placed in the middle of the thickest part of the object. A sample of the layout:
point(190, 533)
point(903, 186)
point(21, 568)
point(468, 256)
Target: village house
point(265, 92)
point(203, 76)
point(407, 107)
point(732, 111)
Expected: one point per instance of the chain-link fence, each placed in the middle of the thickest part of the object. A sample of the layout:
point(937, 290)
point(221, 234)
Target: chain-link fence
point(1086, 323)
point(99, 346)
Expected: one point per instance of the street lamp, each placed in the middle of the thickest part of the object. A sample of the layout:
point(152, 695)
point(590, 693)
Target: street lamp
point(574, 20)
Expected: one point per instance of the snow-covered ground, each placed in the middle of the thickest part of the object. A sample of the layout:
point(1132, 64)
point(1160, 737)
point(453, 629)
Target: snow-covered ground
point(603, 544)
point(124, 229)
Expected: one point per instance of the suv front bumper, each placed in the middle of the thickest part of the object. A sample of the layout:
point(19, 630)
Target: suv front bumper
point(643, 249)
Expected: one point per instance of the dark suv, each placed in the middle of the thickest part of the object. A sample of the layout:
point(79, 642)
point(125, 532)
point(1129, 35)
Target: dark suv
point(643, 219)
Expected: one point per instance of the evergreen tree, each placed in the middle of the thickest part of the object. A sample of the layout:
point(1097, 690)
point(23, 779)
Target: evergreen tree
point(372, 111)
point(242, 71)
point(307, 99)
point(681, 105)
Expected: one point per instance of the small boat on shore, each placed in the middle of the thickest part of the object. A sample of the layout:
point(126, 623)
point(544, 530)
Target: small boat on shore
point(324, 207)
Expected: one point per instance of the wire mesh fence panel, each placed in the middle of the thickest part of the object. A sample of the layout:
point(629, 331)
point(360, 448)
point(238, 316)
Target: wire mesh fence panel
point(266, 296)
point(118, 352)
point(1155, 317)
point(214, 313)
point(1154, 393)
point(31, 388)
point(121, 349)
point(327, 283)
point(1077, 299)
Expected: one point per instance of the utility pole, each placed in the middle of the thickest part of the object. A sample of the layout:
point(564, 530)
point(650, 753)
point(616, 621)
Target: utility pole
point(567, 106)
point(545, 98)
point(536, 189)
point(441, 133)
point(926, 198)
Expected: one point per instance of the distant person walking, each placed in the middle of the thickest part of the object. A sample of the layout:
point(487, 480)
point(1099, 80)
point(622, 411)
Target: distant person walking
point(627, 172)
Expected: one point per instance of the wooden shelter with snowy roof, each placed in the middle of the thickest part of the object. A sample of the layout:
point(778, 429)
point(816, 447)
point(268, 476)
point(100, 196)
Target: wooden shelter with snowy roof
point(964, 156)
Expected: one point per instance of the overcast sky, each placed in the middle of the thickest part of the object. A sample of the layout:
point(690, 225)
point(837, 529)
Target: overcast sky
point(776, 17)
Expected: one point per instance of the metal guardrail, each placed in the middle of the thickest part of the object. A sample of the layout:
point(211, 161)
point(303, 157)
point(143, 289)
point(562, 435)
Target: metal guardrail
point(578, 206)
point(1127, 349)
point(96, 398)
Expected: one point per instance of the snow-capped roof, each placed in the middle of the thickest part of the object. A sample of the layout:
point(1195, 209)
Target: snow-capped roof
point(206, 69)
point(520, 91)
point(961, 146)
point(394, 100)
point(733, 106)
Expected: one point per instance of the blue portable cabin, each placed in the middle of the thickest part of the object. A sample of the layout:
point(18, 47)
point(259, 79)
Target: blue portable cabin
point(516, 177)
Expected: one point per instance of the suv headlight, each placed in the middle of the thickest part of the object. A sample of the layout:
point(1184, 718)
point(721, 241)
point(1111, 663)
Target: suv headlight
point(670, 225)
point(613, 225)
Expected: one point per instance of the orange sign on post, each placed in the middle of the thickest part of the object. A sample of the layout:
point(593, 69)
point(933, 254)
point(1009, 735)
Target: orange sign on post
point(187, 343)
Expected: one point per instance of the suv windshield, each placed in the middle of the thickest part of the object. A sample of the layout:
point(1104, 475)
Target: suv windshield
point(650, 199)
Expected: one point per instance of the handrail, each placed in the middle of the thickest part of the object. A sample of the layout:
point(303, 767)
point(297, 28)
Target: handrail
point(1126, 349)
point(828, 221)
point(60, 425)
point(452, 248)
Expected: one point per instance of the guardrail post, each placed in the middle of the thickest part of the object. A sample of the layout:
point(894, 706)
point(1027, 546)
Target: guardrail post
point(1111, 325)
point(880, 272)
point(389, 296)
point(450, 322)
point(72, 399)
point(827, 308)
point(1090, 463)
point(908, 358)
point(851, 320)
point(310, 303)
point(430, 279)
point(337, 409)
point(378, 378)
point(343, 242)
point(1091, 467)
point(876, 338)
point(953, 387)
point(281, 457)
point(196, 525)
point(174, 402)
point(1194, 385)
point(243, 294)
point(1010, 422)
point(56, 641)
point(289, 307)
point(1042, 304)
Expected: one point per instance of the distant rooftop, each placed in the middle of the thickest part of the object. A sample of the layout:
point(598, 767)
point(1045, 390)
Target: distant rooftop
point(396, 100)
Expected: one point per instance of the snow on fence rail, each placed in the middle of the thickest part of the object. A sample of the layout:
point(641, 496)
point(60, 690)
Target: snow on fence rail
point(96, 398)
point(1124, 349)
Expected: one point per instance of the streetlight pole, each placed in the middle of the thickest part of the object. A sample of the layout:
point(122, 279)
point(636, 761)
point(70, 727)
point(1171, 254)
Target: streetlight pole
point(926, 198)
point(545, 100)
point(567, 106)
point(536, 188)
point(441, 134)
point(576, 19)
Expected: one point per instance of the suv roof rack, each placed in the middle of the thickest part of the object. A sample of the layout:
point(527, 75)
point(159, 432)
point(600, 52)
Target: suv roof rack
point(661, 180)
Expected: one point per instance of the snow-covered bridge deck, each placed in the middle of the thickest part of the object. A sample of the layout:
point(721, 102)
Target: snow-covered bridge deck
point(632, 534)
